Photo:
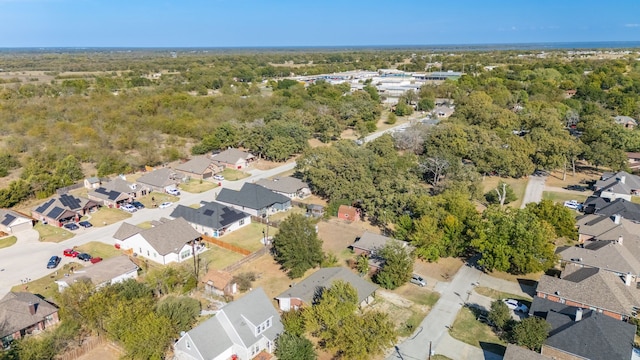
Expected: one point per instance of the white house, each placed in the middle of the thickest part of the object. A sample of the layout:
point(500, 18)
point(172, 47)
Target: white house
point(166, 242)
point(109, 271)
point(12, 222)
point(240, 330)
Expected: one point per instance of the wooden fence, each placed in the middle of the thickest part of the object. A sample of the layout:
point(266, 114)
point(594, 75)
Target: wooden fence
point(254, 255)
point(225, 245)
point(88, 346)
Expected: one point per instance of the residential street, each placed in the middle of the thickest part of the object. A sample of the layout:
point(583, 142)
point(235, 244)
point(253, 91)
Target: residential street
point(535, 188)
point(27, 259)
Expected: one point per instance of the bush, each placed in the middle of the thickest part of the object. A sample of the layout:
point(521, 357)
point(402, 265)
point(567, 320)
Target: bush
point(245, 280)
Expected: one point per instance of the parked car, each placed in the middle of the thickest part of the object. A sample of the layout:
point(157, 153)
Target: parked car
point(173, 191)
point(53, 262)
point(128, 208)
point(516, 305)
point(576, 188)
point(70, 253)
point(165, 204)
point(85, 224)
point(138, 205)
point(418, 280)
point(218, 177)
point(96, 259)
point(71, 226)
point(84, 257)
point(572, 204)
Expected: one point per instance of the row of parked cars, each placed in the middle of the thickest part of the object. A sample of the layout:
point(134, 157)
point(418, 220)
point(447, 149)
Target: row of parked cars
point(54, 261)
point(76, 226)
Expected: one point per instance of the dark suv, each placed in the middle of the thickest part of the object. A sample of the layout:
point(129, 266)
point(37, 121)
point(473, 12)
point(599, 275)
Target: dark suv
point(84, 257)
point(53, 262)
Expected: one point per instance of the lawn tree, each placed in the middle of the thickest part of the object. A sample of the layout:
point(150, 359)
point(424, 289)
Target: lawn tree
point(499, 314)
point(362, 264)
point(296, 246)
point(557, 215)
point(502, 194)
point(294, 347)
point(293, 322)
point(397, 265)
point(181, 311)
point(531, 332)
point(334, 319)
point(435, 169)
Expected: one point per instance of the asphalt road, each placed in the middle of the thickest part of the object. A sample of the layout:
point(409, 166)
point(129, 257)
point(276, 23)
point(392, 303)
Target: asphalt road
point(27, 259)
point(535, 188)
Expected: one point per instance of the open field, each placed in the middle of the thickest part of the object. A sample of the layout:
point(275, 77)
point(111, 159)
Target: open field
point(50, 233)
point(561, 197)
point(8, 241)
point(583, 174)
point(106, 216)
point(233, 175)
point(442, 270)
point(197, 186)
point(273, 280)
point(471, 331)
point(338, 234)
point(218, 258)
point(249, 237)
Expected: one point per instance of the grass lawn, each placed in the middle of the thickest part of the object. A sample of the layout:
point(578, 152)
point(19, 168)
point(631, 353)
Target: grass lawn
point(219, 258)
point(52, 233)
point(498, 295)
point(8, 241)
point(440, 357)
point(285, 214)
point(46, 286)
point(106, 216)
point(562, 197)
point(249, 236)
point(419, 295)
point(519, 187)
point(197, 186)
point(471, 331)
point(233, 174)
point(98, 249)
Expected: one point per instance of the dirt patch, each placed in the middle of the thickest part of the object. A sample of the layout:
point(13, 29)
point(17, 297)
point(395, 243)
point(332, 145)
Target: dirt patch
point(338, 234)
point(314, 143)
point(443, 270)
point(262, 164)
point(102, 352)
point(273, 280)
point(583, 175)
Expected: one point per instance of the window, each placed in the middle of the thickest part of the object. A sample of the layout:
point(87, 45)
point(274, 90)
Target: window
point(268, 323)
point(242, 222)
point(188, 344)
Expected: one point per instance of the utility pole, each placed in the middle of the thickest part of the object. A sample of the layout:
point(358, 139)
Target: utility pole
point(195, 259)
point(429, 350)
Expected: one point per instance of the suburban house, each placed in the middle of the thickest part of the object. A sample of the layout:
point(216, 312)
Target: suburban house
point(626, 209)
point(166, 242)
point(242, 329)
point(368, 243)
point(591, 288)
point(627, 121)
point(609, 228)
point(161, 179)
point(348, 213)
point(315, 210)
point(63, 209)
point(109, 271)
point(306, 290)
point(578, 334)
point(254, 199)
point(116, 192)
point(233, 158)
point(594, 203)
point(288, 186)
point(634, 160)
point(12, 222)
point(606, 255)
point(515, 352)
point(443, 111)
point(92, 182)
point(200, 167)
point(212, 219)
point(619, 185)
point(23, 313)
point(219, 282)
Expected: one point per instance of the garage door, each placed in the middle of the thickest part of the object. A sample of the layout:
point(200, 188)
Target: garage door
point(21, 227)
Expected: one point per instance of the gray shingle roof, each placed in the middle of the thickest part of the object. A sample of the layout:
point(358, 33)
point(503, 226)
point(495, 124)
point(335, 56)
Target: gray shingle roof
point(621, 182)
point(197, 165)
point(607, 255)
point(622, 207)
point(515, 352)
point(159, 178)
point(15, 315)
point(323, 278)
point(103, 271)
point(251, 196)
point(171, 236)
point(121, 185)
point(596, 336)
point(212, 337)
point(210, 214)
point(287, 184)
point(126, 231)
point(370, 241)
point(231, 156)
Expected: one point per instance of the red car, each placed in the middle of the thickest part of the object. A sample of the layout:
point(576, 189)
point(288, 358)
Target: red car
point(95, 260)
point(70, 253)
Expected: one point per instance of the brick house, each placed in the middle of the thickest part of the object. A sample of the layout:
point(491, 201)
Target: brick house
point(23, 313)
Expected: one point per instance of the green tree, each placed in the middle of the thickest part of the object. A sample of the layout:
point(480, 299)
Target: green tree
point(392, 118)
point(182, 312)
point(362, 264)
point(397, 265)
point(502, 194)
point(294, 322)
point(531, 332)
point(294, 347)
point(296, 246)
point(560, 217)
point(499, 313)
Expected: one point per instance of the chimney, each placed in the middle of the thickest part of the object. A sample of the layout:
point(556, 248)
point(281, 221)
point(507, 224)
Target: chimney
point(620, 239)
point(627, 279)
point(616, 219)
point(623, 178)
point(32, 308)
point(578, 314)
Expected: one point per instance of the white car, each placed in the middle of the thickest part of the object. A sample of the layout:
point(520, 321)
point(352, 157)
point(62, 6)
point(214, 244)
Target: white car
point(165, 204)
point(173, 191)
point(572, 204)
point(515, 305)
point(218, 177)
point(128, 208)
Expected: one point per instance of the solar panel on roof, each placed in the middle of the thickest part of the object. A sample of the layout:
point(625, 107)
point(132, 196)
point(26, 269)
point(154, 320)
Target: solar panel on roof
point(45, 206)
point(55, 212)
point(69, 201)
point(8, 218)
point(208, 212)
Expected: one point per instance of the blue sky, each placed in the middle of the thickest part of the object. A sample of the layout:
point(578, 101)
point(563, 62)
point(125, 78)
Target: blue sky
point(242, 23)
